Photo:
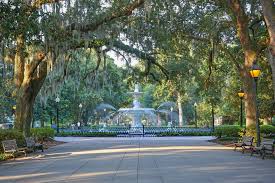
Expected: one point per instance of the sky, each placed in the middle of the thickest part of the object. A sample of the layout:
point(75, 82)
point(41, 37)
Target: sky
point(119, 61)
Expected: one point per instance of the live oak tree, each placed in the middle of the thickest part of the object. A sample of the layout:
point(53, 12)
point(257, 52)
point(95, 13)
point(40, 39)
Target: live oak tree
point(36, 33)
point(39, 35)
point(233, 27)
point(106, 85)
point(268, 7)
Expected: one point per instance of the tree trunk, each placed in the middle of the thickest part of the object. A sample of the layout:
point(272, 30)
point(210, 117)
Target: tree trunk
point(19, 61)
point(213, 117)
point(271, 60)
point(27, 93)
point(19, 76)
point(24, 109)
point(249, 47)
point(269, 16)
point(180, 110)
point(250, 93)
point(85, 117)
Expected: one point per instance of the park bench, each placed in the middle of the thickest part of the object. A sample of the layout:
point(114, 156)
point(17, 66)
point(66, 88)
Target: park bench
point(266, 148)
point(10, 147)
point(32, 145)
point(246, 143)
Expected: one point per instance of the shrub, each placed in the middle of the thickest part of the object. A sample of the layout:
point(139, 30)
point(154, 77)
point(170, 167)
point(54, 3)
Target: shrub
point(184, 134)
point(4, 156)
point(42, 134)
point(87, 134)
point(12, 134)
point(228, 131)
point(267, 129)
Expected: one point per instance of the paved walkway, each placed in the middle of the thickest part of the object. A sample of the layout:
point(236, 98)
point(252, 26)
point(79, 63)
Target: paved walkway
point(138, 160)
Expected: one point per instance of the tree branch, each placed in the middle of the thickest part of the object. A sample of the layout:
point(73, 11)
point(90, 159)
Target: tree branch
point(39, 57)
point(107, 16)
point(231, 56)
point(241, 22)
point(139, 54)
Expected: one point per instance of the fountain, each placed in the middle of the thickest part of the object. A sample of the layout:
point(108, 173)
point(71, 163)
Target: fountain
point(137, 112)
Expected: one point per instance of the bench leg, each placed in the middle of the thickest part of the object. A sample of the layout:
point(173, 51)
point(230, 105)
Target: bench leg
point(263, 155)
point(252, 152)
point(243, 150)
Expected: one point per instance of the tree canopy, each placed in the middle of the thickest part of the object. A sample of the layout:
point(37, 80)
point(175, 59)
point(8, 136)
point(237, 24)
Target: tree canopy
point(191, 51)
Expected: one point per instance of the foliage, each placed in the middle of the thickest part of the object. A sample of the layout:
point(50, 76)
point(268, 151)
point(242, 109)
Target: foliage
point(267, 129)
point(193, 40)
point(231, 131)
point(108, 87)
point(3, 156)
point(87, 134)
point(42, 134)
point(250, 131)
point(147, 98)
point(227, 131)
point(6, 99)
point(10, 135)
point(163, 134)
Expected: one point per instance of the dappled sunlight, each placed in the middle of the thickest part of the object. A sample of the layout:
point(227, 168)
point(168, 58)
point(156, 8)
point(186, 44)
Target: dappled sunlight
point(94, 174)
point(23, 176)
point(152, 149)
point(113, 152)
point(108, 162)
point(122, 146)
point(118, 152)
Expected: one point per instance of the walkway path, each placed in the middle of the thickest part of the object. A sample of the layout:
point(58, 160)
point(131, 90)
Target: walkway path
point(139, 160)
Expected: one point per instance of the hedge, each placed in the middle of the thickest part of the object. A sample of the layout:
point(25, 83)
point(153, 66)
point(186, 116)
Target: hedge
point(42, 134)
point(267, 129)
point(228, 131)
point(237, 131)
point(163, 134)
point(87, 134)
point(12, 134)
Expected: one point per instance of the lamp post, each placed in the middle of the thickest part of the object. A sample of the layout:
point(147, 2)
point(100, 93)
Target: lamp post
point(171, 115)
point(105, 116)
point(14, 108)
point(57, 100)
point(13, 113)
point(255, 73)
point(80, 108)
point(241, 95)
point(195, 106)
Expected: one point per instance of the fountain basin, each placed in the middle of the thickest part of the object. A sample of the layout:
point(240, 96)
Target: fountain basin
point(137, 113)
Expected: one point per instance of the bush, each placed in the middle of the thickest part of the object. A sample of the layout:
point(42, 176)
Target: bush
point(87, 134)
point(4, 156)
point(228, 131)
point(12, 134)
point(267, 129)
point(163, 134)
point(42, 134)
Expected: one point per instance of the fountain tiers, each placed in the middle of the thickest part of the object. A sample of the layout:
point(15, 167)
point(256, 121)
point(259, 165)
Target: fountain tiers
point(137, 111)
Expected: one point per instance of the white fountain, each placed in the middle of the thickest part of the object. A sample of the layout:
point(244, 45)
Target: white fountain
point(137, 112)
